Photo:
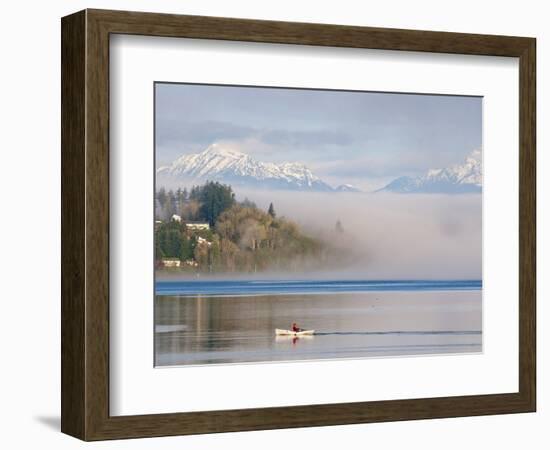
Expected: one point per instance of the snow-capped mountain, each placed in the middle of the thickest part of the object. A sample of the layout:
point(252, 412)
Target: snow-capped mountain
point(218, 163)
point(347, 188)
point(460, 178)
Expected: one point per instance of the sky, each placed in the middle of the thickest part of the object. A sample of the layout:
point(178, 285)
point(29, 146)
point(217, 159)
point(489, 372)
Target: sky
point(362, 138)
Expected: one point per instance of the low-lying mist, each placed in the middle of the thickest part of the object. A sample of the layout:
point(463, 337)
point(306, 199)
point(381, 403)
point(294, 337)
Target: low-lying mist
point(388, 236)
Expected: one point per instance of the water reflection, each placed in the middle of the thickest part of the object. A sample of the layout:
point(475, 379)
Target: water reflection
point(205, 330)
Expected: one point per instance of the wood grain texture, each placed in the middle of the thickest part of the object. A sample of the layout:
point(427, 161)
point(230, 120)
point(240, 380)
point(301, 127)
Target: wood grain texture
point(201, 27)
point(527, 224)
point(85, 224)
point(73, 226)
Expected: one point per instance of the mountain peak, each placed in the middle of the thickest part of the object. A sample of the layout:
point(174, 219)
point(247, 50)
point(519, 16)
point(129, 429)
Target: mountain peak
point(347, 188)
point(219, 150)
point(223, 164)
point(459, 178)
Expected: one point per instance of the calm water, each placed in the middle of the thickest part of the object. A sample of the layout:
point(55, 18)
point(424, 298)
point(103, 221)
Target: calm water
point(206, 322)
point(256, 287)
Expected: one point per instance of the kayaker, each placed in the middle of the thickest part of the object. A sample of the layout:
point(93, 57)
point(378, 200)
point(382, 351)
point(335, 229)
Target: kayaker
point(295, 327)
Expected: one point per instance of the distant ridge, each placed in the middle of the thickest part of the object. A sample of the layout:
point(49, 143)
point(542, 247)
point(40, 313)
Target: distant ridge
point(347, 188)
point(218, 163)
point(457, 179)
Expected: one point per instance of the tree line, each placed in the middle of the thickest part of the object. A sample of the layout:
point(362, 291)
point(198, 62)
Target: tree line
point(241, 237)
point(205, 202)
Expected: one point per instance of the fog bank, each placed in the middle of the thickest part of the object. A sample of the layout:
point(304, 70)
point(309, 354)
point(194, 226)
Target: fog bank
point(403, 236)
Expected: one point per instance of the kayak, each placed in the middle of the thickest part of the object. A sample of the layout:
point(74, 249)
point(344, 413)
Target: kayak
point(280, 332)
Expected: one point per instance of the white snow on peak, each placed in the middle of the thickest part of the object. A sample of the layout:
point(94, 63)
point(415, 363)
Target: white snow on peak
point(219, 150)
point(348, 188)
point(218, 162)
point(464, 177)
point(468, 172)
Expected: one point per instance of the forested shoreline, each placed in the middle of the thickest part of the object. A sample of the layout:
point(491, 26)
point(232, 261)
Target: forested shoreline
point(206, 230)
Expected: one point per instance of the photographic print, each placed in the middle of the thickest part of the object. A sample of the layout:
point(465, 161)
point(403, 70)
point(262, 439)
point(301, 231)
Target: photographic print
point(306, 224)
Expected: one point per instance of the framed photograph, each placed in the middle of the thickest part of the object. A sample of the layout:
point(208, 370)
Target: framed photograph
point(273, 225)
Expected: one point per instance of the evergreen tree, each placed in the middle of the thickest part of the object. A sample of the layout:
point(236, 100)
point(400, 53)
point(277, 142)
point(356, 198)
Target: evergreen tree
point(271, 211)
point(214, 198)
point(247, 203)
point(194, 194)
point(339, 228)
point(161, 197)
point(171, 200)
point(186, 249)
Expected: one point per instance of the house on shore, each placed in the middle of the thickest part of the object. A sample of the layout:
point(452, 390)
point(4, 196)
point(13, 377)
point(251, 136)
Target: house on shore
point(171, 262)
point(197, 225)
point(201, 240)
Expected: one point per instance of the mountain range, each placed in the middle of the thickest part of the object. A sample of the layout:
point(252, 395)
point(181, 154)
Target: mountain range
point(457, 179)
point(218, 163)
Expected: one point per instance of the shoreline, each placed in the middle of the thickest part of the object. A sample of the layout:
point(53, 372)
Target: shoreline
point(235, 288)
point(294, 294)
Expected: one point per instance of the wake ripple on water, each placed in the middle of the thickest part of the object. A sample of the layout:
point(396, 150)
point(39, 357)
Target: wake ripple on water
point(395, 333)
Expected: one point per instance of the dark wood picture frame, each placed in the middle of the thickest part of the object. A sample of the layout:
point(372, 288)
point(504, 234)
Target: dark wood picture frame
point(85, 224)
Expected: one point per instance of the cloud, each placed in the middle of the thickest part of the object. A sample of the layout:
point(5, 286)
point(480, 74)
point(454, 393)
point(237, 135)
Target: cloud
point(185, 134)
point(275, 145)
point(390, 235)
point(306, 139)
point(374, 164)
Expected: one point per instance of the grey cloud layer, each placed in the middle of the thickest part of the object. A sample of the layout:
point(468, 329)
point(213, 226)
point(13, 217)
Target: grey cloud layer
point(340, 134)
